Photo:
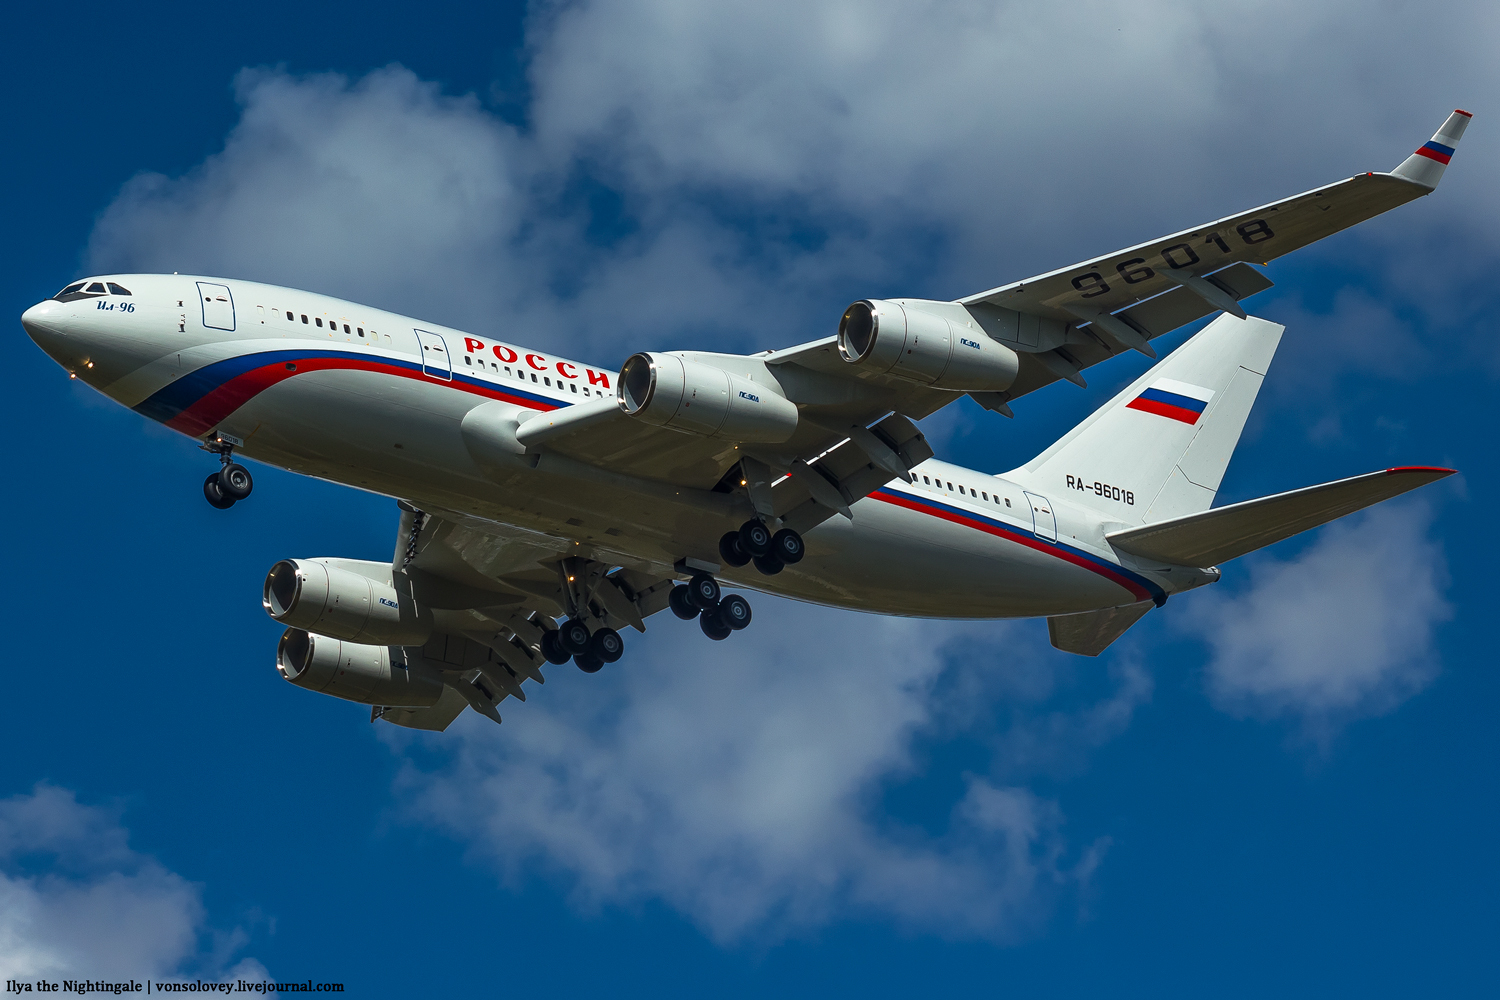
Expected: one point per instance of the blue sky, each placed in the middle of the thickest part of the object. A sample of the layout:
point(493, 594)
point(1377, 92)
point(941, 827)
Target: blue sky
point(1285, 783)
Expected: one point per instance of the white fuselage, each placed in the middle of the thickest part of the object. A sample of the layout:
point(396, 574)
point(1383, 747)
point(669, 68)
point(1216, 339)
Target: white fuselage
point(373, 400)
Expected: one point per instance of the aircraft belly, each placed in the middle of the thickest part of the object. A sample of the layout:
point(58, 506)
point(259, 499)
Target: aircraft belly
point(402, 438)
point(894, 561)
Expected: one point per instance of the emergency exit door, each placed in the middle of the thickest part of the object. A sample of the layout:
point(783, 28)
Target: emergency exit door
point(1043, 521)
point(218, 306)
point(435, 361)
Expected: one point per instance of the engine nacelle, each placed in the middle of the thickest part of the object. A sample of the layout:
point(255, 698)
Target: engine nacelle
point(912, 343)
point(312, 595)
point(690, 396)
point(355, 672)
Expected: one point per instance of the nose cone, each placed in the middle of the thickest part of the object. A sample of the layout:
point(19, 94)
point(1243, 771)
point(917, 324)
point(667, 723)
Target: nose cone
point(43, 322)
point(55, 329)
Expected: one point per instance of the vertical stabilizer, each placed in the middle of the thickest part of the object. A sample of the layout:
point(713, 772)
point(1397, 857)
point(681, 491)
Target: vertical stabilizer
point(1159, 449)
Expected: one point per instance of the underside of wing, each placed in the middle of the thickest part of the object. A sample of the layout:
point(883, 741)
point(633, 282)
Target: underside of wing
point(1224, 533)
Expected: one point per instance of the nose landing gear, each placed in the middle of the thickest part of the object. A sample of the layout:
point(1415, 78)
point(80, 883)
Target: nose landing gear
point(232, 482)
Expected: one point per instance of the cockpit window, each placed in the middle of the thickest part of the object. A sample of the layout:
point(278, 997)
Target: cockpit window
point(117, 289)
point(96, 287)
point(69, 290)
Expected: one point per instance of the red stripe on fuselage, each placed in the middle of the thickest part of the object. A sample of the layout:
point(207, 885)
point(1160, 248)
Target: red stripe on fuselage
point(206, 414)
point(1140, 593)
point(1161, 409)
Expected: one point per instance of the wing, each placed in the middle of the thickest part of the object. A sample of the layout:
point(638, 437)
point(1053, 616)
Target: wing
point(854, 429)
point(493, 592)
point(1111, 282)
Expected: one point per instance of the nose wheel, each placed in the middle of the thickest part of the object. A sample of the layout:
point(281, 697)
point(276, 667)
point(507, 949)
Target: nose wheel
point(232, 483)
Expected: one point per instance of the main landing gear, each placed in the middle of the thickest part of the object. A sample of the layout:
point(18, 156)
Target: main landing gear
point(718, 615)
point(755, 543)
point(590, 650)
point(232, 482)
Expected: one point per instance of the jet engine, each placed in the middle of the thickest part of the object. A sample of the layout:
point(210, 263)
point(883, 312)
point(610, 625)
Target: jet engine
point(318, 597)
point(690, 396)
point(892, 338)
point(355, 672)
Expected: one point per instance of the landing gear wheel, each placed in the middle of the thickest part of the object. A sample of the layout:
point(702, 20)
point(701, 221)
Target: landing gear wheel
point(573, 637)
point(588, 664)
point(214, 495)
point(680, 600)
point(703, 591)
point(606, 645)
point(552, 652)
point(769, 565)
point(734, 612)
point(235, 482)
point(755, 538)
point(713, 626)
point(731, 551)
point(787, 546)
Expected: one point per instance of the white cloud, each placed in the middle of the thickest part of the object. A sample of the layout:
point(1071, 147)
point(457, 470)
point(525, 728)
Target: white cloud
point(769, 163)
point(1344, 630)
point(740, 783)
point(75, 900)
point(772, 161)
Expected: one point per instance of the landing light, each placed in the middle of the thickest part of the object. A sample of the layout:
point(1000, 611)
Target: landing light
point(89, 365)
point(72, 374)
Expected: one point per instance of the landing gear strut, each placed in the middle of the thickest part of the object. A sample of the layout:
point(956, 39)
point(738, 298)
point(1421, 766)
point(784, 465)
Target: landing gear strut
point(232, 482)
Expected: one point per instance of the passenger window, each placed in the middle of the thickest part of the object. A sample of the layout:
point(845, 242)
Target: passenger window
point(533, 378)
point(927, 481)
point(95, 287)
point(950, 484)
point(1007, 501)
point(304, 317)
point(985, 495)
point(574, 388)
point(289, 316)
point(117, 289)
point(360, 331)
point(960, 489)
point(507, 369)
point(467, 361)
point(548, 381)
point(318, 320)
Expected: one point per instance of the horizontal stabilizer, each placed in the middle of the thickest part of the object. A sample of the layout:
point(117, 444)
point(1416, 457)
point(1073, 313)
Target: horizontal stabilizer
point(1090, 633)
point(1224, 533)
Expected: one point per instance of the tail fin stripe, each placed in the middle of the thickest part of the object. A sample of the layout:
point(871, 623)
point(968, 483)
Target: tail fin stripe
point(1136, 585)
point(1436, 151)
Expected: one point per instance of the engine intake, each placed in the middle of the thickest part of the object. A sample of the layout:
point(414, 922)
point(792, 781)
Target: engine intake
point(355, 672)
point(690, 396)
point(907, 341)
point(312, 595)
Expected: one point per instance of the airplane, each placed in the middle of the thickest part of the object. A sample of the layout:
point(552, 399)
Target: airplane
point(547, 504)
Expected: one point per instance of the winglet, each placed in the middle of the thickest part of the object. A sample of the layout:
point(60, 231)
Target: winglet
point(1426, 165)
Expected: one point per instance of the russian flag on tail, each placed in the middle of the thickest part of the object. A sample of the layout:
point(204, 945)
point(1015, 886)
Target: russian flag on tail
point(1426, 165)
point(1174, 400)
